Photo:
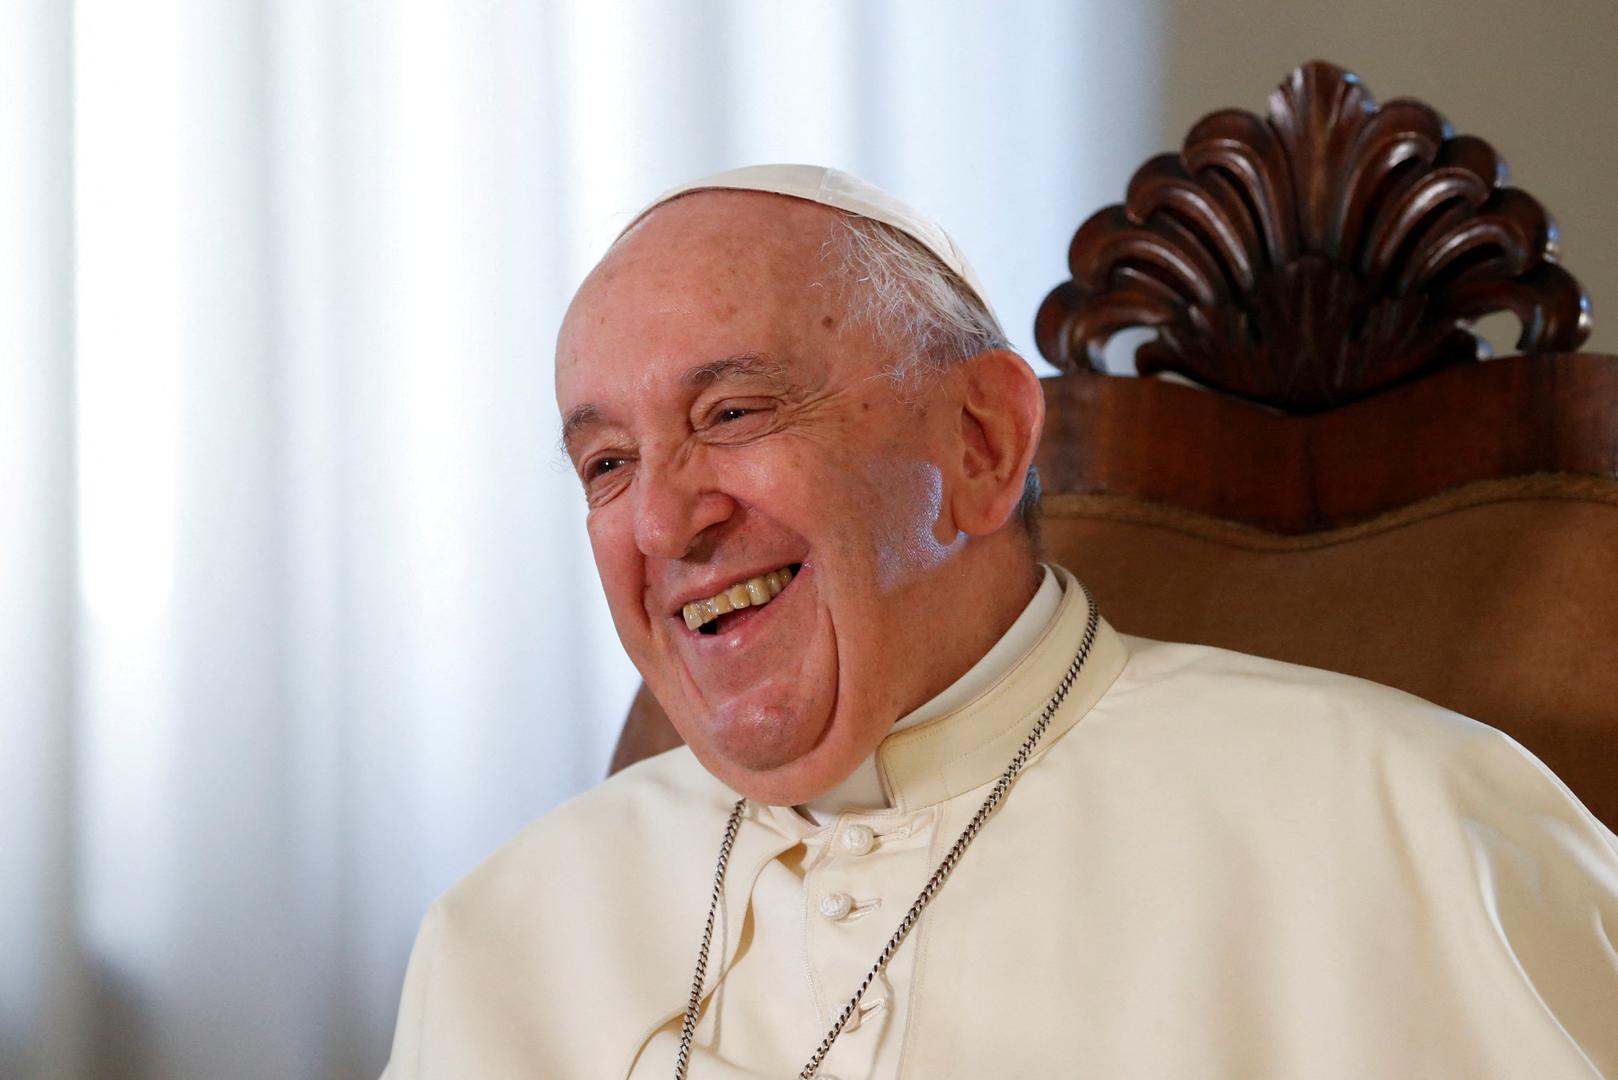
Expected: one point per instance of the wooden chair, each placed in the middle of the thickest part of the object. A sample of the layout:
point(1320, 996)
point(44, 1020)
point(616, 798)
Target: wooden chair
point(1351, 484)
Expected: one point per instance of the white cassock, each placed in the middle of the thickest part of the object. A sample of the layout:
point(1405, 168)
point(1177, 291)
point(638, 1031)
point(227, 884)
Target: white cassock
point(1216, 866)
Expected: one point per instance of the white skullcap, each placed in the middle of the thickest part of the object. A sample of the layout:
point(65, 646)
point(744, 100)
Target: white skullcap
point(841, 191)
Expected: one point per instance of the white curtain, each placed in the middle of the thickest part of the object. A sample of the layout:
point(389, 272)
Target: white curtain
point(299, 619)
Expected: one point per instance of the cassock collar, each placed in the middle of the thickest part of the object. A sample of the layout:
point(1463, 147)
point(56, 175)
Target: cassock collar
point(862, 790)
point(970, 745)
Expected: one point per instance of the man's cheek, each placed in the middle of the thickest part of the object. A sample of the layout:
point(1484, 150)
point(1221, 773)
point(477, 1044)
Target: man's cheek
point(618, 568)
point(912, 538)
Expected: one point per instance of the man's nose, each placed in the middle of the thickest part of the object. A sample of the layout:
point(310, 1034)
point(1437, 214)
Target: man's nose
point(677, 503)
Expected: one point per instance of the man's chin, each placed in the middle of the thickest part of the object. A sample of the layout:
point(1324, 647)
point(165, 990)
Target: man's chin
point(772, 756)
point(763, 739)
point(793, 784)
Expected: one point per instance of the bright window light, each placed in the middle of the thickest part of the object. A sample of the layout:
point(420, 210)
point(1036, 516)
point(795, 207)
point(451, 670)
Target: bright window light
point(128, 169)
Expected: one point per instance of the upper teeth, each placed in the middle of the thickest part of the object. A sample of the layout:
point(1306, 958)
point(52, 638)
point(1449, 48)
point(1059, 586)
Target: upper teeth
point(754, 592)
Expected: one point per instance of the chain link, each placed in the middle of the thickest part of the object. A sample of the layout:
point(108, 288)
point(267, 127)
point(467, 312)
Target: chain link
point(945, 867)
point(688, 1027)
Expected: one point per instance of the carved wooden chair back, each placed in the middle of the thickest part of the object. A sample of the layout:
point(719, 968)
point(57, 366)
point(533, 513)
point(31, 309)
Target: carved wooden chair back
point(1345, 484)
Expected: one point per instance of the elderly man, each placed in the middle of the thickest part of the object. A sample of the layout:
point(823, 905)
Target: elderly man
point(934, 817)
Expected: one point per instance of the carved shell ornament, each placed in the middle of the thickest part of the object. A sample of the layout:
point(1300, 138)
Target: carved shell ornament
point(1312, 258)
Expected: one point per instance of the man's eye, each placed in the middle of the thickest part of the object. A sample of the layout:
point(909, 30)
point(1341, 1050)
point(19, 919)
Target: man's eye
point(602, 466)
point(750, 415)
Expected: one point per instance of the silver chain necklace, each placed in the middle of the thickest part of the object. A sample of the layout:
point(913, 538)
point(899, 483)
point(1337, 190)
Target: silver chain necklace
point(996, 794)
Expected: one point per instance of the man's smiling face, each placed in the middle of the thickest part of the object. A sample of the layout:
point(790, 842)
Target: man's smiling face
point(728, 421)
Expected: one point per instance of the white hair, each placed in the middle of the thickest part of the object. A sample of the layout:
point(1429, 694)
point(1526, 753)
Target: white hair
point(901, 290)
point(894, 285)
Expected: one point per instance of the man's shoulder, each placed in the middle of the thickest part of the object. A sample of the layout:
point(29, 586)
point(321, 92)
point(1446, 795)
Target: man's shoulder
point(639, 819)
point(1295, 721)
point(1188, 682)
point(591, 903)
point(1301, 753)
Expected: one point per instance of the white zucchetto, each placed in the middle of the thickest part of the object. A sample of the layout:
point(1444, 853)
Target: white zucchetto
point(841, 191)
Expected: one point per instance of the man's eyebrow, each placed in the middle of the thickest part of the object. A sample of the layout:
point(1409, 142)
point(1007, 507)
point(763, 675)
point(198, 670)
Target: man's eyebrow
point(751, 365)
point(577, 420)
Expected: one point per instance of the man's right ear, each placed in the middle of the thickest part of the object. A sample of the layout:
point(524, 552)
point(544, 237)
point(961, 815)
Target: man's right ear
point(1002, 410)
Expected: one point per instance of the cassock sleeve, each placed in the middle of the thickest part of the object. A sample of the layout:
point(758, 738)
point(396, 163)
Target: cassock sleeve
point(1546, 874)
point(404, 1062)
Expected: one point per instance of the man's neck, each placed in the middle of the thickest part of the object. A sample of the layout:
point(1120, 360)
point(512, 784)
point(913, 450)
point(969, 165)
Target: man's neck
point(991, 604)
point(862, 789)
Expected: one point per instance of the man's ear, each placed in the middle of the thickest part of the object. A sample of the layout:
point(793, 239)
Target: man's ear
point(1002, 410)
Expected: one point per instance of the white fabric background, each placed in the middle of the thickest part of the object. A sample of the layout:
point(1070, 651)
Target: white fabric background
point(298, 616)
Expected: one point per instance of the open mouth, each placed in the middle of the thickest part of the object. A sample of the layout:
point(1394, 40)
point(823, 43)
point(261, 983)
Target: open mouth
point(710, 616)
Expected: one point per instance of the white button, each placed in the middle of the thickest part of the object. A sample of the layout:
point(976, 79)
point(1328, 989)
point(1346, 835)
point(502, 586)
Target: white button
point(858, 839)
point(836, 905)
